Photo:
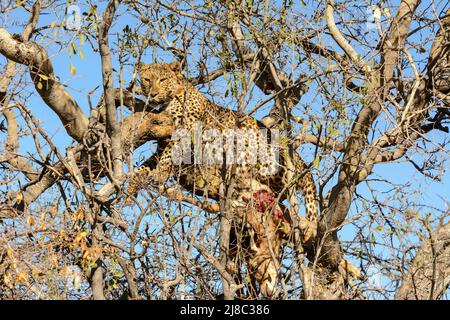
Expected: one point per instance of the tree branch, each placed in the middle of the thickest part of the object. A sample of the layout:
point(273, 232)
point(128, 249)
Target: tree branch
point(341, 41)
point(112, 124)
point(341, 195)
point(428, 276)
point(51, 90)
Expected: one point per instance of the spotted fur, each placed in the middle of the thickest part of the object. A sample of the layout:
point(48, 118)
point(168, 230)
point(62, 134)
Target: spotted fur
point(164, 84)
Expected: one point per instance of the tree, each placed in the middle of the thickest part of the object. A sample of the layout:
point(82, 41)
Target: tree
point(353, 85)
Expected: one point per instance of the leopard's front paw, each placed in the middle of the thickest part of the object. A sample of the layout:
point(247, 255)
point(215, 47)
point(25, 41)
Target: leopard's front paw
point(143, 177)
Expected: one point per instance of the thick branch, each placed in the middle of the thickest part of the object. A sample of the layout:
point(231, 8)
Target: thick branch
point(429, 275)
point(341, 194)
point(112, 124)
point(136, 130)
point(12, 144)
point(341, 41)
point(46, 84)
point(397, 37)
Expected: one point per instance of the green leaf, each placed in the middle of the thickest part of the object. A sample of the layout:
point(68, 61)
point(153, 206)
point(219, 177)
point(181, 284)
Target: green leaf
point(92, 10)
point(81, 53)
point(39, 85)
point(200, 183)
point(316, 162)
point(73, 70)
point(74, 47)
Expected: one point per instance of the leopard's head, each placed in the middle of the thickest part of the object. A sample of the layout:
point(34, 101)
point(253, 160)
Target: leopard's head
point(161, 82)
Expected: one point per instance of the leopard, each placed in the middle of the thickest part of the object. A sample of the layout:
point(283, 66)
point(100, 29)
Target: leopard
point(257, 186)
point(165, 84)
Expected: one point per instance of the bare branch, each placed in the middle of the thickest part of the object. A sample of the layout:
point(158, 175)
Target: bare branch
point(112, 124)
point(428, 276)
point(341, 41)
point(50, 89)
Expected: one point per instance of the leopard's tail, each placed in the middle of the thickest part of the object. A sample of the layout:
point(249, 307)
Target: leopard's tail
point(305, 183)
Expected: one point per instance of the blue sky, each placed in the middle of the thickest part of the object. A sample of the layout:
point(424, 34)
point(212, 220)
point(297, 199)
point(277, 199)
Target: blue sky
point(88, 76)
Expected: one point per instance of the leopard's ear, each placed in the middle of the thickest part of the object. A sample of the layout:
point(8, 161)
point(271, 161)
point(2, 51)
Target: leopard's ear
point(175, 66)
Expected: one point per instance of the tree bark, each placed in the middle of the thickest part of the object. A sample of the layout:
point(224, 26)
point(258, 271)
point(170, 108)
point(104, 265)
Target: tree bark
point(429, 274)
point(51, 90)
